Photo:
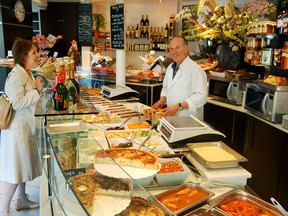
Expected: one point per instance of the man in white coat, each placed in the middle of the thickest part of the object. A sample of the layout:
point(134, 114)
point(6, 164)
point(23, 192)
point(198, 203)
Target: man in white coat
point(185, 84)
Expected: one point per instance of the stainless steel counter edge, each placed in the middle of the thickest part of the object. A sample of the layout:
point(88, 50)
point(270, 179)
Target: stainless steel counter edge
point(243, 110)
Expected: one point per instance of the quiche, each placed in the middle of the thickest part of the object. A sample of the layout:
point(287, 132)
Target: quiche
point(88, 185)
point(141, 207)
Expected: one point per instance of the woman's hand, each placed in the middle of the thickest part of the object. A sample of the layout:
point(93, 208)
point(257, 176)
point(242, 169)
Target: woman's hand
point(39, 83)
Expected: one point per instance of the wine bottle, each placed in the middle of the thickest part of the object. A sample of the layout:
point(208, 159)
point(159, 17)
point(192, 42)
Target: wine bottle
point(132, 34)
point(142, 21)
point(137, 31)
point(146, 34)
point(60, 94)
point(146, 22)
point(128, 32)
point(142, 34)
point(166, 31)
point(71, 77)
point(72, 93)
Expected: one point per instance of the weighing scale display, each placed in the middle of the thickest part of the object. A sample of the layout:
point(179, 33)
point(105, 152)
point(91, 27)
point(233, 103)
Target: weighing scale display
point(186, 129)
point(118, 91)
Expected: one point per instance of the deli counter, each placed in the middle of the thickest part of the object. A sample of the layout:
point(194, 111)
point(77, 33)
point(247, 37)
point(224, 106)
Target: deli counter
point(68, 145)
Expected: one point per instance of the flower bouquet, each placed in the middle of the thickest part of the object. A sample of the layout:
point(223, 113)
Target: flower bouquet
point(227, 24)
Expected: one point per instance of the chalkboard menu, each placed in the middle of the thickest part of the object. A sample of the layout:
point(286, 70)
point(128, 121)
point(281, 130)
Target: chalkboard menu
point(85, 24)
point(117, 26)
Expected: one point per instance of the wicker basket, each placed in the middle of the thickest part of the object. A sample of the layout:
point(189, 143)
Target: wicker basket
point(47, 71)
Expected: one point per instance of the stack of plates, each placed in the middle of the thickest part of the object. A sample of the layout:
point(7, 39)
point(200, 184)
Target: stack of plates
point(285, 121)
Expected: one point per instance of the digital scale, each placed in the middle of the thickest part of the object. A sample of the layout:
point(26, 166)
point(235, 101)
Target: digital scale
point(180, 130)
point(118, 92)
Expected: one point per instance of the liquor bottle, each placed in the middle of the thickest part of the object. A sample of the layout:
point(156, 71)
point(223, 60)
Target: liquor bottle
point(281, 17)
point(132, 34)
point(71, 77)
point(142, 34)
point(128, 32)
point(60, 94)
point(72, 93)
point(142, 21)
point(146, 34)
point(166, 31)
point(146, 22)
point(284, 58)
point(137, 31)
point(171, 26)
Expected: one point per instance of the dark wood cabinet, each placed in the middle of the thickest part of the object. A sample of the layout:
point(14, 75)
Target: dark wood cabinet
point(231, 123)
point(148, 94)
point(263, 147)
point(282, 196)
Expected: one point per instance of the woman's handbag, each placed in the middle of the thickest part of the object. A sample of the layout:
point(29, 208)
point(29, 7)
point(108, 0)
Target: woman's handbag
point(5, 112)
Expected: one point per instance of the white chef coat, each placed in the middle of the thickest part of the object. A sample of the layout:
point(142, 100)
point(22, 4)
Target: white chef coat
point(189, 84)
point(19, 156)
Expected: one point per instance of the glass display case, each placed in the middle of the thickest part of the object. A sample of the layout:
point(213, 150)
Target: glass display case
point(76, 185)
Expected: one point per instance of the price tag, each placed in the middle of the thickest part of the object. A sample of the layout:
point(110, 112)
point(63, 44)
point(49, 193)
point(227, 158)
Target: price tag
point(73, 172)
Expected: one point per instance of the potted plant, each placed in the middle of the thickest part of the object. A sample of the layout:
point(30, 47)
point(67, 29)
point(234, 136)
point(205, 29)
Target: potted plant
point(99, 21)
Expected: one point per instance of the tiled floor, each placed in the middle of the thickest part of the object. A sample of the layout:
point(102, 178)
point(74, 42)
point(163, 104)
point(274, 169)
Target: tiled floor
point(33, 189)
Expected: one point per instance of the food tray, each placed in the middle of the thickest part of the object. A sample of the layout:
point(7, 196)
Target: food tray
point(218, 74)
point(236, 77)
point(216, 164)
point(203, 210)
point(241, 195)
point(172, 178)
point(196, 199)
point(273, 87)
point(65, 127)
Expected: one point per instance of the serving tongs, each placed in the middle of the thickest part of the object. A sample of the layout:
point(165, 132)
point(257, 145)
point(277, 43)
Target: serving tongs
point(139, 112)
point(148, 137)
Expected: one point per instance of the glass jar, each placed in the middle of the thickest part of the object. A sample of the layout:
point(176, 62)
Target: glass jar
point(263, 42)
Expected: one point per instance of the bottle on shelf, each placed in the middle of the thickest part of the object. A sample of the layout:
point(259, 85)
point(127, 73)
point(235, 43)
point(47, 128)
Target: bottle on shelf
point(132, 33)
point(142, 21)
point(166, 31)
point(282, 16)
point(128, 32)
point(142, 33)
point(137, 31)
point(146, 34)
point(151, 33)
point(284, 57)
point(162, 32)
point(146, 22)
point(171, 26)
point(60, 92)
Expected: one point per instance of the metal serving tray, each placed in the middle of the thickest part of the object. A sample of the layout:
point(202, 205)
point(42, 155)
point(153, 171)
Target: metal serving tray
point(216, 164)
point(241, 195)
point(196, 204)
point(65, 127)
point(273, 87)
point(205, 211)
